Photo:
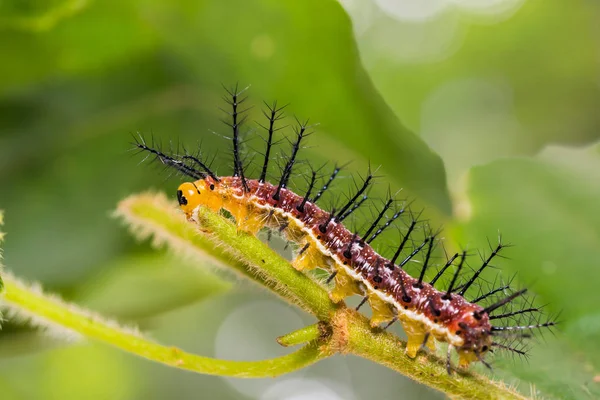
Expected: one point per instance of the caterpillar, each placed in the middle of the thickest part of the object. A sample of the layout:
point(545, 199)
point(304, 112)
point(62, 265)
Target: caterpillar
point(427, 314)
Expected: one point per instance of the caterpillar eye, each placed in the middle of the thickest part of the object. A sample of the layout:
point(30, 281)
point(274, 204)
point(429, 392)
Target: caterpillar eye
point(181, 198)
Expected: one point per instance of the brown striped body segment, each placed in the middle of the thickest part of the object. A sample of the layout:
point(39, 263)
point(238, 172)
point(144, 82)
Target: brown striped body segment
point(424, 311)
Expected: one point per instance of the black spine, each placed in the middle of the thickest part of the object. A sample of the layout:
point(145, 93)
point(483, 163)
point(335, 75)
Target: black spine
point(275, 114)
point(448, 294)
point(403, 243)
point(504, 301)
point(170, 161)
point(414, 253)
point(386, 207)
point(387, 223)
point(300, 207)
point(360, 191)
point(287, 171)
point(426, 262)
point(235, 102)
point(327, 184)
point(444, 268)
point(354, 208)
point(483, 266)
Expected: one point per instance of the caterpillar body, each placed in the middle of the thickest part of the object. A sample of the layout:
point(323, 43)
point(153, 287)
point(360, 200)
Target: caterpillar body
point(426, 313)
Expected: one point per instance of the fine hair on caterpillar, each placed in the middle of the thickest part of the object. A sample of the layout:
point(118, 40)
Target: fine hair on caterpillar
point(448, 301)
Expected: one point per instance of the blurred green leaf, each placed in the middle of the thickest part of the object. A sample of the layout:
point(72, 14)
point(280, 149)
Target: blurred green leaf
point(142, 286)
point(96, 37)
point(542, 82)
point(548, 207)
point(69, 138)
point(91, 372)
point(37, 15)
point(267, 52)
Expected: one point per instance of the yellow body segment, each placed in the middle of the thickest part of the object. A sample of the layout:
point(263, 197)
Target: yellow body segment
point(465, 358)
point(382, 311)
point(416, 333)
point(345, 286)
point(310, 259)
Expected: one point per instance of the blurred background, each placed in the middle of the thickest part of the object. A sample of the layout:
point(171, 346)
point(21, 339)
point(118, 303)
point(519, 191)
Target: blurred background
point(486, 111)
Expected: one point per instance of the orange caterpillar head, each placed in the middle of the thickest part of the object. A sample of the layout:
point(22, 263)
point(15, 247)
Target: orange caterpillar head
point(476, 331)
point(204, 192)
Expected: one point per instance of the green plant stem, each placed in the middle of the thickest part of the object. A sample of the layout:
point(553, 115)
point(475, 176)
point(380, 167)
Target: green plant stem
point(47, 310)
point(152, 215)
point(259, 257)
point(349, 330)
point(340, 329)
point(386, 349)
point(217, 240)
point(304, 335)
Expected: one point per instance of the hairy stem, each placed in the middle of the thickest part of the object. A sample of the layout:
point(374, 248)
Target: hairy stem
point(217, 240)
point(51, 312)
point(386, 349)
point(304, 335)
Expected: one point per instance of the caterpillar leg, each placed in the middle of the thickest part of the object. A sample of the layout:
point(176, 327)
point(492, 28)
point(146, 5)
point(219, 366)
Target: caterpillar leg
point(245, 219)
point(429, 342)
point(382, 311)
point(309, 257)
point(416, 336)
point(449, 359)
point(345, 286)
point(465, 358)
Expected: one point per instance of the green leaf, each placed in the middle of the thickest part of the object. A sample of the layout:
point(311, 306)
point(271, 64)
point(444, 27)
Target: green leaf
point(93, 38)
point(548, 207)
point(268, 52)
point(37, 15)
point(151, 284)
point(476, 88)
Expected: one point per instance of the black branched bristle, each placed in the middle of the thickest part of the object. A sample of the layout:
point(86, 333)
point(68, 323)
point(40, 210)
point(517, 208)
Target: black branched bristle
point(300, 207)
point(514, 313)
point(504, 301)
point(443, 269)
point(448, 294)
point(386, 207)
point(169, 160)
point(414, 252)
point(359, 192)
point(483, 266)
point(354, 208)
point(491, 293)
point(389, 222)
point(201, 164)
point(334, 174)
point(234, 101)
point(287, 171)
point(523, 327)
point(419, 283)
point(515, 347)
point(403, 243)
point(273, 115)
point(480, 358)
